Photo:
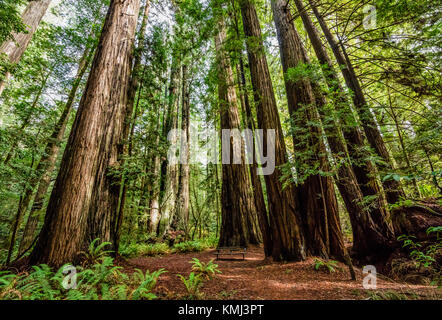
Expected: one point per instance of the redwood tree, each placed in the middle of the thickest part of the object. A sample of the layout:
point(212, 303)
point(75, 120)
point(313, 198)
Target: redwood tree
point(82, 201)
point(237, 205)
point(285, 218)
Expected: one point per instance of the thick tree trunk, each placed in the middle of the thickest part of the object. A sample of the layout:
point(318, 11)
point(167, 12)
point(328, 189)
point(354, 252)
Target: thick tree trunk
point(46, 165)
point(392, 188)
point(15, 47)
point(82, 204)
point(260, 205)
point(238, 207)
point(285, 219)
point(317, 195)
point(364, 170)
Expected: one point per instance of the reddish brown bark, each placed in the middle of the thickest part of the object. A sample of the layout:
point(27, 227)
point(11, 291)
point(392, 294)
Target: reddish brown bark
point(285, 220)
point(363, 169)
point(317, 197)
point(83, 201)
point(392, 188)
point(238, 207)
point(46, 164)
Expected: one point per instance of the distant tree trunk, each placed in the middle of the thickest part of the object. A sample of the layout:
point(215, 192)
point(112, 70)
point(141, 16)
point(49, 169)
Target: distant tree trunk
point(169, 170)
point(154, 206)
point(392, 188)
point(181, 216)
point(402, 145)
point(285, 219)
point(15, 47)
point(238, 207)
point(82, 204)
point(46, 165)
point(28, 118)
point(363, 169)
point(318, 199)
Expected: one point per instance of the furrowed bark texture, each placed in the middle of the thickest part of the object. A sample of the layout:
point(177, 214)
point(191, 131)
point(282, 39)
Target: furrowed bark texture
point(46, 165)
point(285, 220)
point(392, 188)
point(238, 208)
point(83, 199)
point(317, 196)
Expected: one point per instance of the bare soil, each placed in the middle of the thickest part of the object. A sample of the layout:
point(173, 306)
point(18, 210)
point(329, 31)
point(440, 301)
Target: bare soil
point(256, 279)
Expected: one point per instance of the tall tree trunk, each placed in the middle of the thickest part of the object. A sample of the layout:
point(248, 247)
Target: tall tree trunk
point(46, 165)
point(363, 169)
point(260, 205)
point(318, 199)
point(285, 219)
point(154, 206)
point(402, 144)
point(82, 202)
point(236, 196)
point(392, 188)
point(129, 121)
point(170, 170)
point(15, 47)
point(181, 216)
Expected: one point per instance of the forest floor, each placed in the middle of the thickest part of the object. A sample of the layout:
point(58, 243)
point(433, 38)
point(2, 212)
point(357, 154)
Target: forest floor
point(255, 279)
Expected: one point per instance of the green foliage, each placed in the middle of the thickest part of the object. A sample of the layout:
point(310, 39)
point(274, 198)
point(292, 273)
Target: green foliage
point(423, 258)
point(10, 20)
point(193, 285)
point(96, 252)
point(189, 246)
point(329, 265)
point(150, 249)
point(101, 281)
point(207, 270)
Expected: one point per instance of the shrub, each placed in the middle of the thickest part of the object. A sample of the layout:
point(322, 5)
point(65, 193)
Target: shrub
point(328, 265)
point(189, 246)
point(193, 285)
point(96, 252)
point(102, 281)
point(206, 270)
point(135, 249)
point(153, 249)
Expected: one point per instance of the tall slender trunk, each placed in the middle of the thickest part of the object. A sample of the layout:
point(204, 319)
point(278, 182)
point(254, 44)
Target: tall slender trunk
point(402, 144)
point(82, 203)
point(154, 206)
point(170, 170)
point(47, 163)
point(260, 205)
point(28, 118)
point(363, 169)
point(318, 200)
point(15, 47)
point(181, 216)
point(285, 219)
point(392, 188)
point(129, 121)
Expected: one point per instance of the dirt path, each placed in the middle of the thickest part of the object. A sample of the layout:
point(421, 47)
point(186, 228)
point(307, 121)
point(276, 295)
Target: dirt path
point(254, 279)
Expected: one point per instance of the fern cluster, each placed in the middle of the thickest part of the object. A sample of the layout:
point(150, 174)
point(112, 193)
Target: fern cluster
point(101, 281)
point(201, 272)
